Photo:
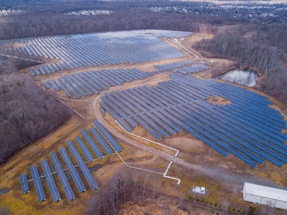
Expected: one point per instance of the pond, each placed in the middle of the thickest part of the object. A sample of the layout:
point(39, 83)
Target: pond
point(242, 77)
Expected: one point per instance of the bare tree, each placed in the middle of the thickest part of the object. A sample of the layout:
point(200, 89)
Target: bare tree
point(93, 204)
point(111, 197)
point(269, 207)
point(27, 113)
point(155, 179)
point(146, 178)
point(194, 196)
point(225, 205)
point(4, 211)
point(136, 178)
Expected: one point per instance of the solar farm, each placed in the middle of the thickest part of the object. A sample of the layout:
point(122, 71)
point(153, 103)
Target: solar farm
point(135, 95)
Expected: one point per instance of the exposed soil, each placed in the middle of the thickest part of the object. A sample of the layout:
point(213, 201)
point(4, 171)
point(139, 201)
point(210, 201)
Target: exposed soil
point(218, 100)
point(18, 45)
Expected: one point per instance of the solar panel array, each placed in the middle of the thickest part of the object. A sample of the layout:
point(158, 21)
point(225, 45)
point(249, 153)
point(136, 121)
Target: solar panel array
point(38, 184)
point(247, 128)
point(192, 69)
point(92, 82)
point(80, 50)
point(170, 66)
point(102, 144)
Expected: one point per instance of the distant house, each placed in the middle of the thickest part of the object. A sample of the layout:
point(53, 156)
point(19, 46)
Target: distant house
point(258, 194)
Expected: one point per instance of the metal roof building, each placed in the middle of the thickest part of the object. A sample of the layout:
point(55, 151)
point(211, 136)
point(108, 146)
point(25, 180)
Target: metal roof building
point(258, 194)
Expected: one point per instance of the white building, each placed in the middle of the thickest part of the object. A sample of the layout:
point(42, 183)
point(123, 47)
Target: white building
point(265, 195)
point(200, 190)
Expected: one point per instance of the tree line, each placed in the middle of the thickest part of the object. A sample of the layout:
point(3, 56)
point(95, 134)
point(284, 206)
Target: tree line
point(42, 18)
point(34, 25)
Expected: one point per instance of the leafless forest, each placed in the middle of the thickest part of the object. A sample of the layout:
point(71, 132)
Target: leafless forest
point(27, 112)
point(54, 24)
point(41, 18)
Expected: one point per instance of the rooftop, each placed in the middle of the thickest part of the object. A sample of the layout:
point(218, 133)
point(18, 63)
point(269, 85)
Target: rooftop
point(264, 191)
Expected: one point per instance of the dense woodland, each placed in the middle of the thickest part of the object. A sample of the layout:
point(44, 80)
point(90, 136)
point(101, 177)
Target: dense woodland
point(41, 25)
point(27, 112)
point(263, 48)
point(42, 18)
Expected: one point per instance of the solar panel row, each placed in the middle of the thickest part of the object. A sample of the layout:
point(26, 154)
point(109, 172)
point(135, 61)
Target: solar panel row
point(64, 181)
point(50, 180)
point(24, 184)
point(38, 184)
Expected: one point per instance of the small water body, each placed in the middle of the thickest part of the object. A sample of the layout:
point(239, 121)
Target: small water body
point(242, 77)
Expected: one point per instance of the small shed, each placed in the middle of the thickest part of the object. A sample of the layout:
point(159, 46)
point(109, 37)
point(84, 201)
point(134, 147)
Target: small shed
point(200, 190)
point(263, 195)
